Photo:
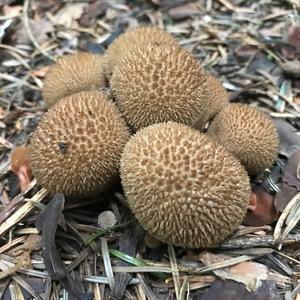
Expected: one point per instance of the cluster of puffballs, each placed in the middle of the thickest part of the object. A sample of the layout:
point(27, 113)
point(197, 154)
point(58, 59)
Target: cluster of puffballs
point(139, 113)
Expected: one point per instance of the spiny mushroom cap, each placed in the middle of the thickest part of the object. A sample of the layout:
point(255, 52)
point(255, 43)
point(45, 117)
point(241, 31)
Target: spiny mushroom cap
point(129, 40)
point(71, 74)
point(153, 84)
point(248, 134)
point(182, 187)
point(77, 146)
point(218, 99)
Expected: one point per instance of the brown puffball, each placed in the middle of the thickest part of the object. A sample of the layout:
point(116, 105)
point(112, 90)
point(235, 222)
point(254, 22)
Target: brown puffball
point(248, 134)
point(218, 99)
point(154, 84)
point(183, 188)
point(71, 74)
point(130, 39)
point(77, 146)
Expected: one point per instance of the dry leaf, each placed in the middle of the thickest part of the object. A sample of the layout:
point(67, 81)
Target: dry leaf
point(40, 30)
point(69, 13)
point(289, 141)
point(229, 290)
point(264, 211)
point(291, 50)
point(290, 182)
point(40, 72)
point(252, 280)
point(184, 11)
point(283, 197)
point(93, 11)
point(250, 269)
point(12, 11)
point(291, 173)
point(20, 166)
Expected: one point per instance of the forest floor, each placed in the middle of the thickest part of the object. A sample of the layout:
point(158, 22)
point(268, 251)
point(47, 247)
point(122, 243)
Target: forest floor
point(253, 47)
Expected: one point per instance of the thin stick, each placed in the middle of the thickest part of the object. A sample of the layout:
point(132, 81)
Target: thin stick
point(258, 241)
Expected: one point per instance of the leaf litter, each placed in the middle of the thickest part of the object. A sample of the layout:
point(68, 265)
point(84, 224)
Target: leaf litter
point(253, 47)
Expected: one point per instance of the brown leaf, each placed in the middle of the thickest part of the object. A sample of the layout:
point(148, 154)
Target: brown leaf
point(289, 141)
point(20, 166)
point(252, 202)
point(264, 212)
point(40, 72)
point(228, 290)
point(247, 273)
point(291, 50)
point(252, 269)
point(69, 13)
point(94, 10)
point(291, 171)
point(290, 181)
point(184, 11)
point(283, 197)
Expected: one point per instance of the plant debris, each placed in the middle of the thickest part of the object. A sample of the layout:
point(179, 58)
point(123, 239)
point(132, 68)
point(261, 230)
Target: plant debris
point(253, 48)
point(46, 223)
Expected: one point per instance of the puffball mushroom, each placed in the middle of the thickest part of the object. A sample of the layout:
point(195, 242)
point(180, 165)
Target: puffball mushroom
point(77, 146)
point(183, 188)
point(218, 99)
point(248, 134)
point(130, 39)
point(71, 74)
point(155, 84)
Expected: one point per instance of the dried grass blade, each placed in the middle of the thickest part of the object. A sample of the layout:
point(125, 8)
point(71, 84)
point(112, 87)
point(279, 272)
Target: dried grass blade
point(19, 293)
point(103, 280)
point(26, 287)
point(174, 267)
point(96, 290)
point(141, 269)
point(147, 291)
point(224, 264)
point(107, 263)
point(13, 292)
point(22, 212)
point(17, 81)
point(184, 288)
point(292, 222)
point(284, 215)
point(12, 243)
